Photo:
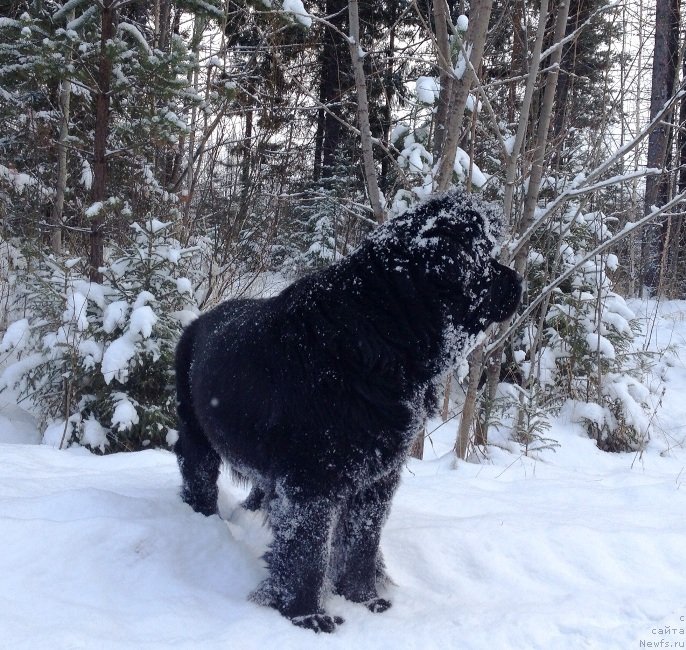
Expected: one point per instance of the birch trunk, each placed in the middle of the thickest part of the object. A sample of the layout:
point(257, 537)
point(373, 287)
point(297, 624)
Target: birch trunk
point(536, 174)
point(446, 76)
point(545, 114)
point(493, 360)
point(475, 40)
point(357, 56)
point(60, 191)
point(469, 409)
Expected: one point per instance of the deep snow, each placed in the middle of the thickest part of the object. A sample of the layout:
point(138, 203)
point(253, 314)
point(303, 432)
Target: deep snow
point(573, 549)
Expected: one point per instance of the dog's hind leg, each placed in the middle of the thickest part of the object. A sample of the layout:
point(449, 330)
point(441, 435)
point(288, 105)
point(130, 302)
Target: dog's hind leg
point(198, 461)
point(360, 571)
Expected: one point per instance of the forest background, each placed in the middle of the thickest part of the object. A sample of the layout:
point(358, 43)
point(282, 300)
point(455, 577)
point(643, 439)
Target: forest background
point(158, 157)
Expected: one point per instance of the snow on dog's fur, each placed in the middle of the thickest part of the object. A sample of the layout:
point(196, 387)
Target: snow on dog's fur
point(316, 394)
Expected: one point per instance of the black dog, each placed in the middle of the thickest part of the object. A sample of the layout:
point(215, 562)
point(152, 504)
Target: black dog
point(316, 394)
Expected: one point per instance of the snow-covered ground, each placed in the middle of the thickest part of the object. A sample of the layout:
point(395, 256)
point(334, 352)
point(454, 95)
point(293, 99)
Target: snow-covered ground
point(573, 549)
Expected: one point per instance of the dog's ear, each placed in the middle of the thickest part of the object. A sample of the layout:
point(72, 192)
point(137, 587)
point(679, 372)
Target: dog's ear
point(504, 293)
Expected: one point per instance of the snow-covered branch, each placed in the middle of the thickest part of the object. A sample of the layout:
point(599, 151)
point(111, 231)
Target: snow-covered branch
point(628, 229)
point(574, 35)
point(475, 40)
point(608, 163)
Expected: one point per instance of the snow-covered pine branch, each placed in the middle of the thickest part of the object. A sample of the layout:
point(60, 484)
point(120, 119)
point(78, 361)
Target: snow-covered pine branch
point(609, 162)
point(564, 276)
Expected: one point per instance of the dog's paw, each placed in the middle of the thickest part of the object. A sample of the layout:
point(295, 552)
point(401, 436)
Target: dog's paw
point(377, 605)
point(318, 622)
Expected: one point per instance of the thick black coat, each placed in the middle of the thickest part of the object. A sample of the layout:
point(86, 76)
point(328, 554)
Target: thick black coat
point(315, 395)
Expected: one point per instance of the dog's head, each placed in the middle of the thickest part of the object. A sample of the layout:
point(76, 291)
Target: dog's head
point(446, 246)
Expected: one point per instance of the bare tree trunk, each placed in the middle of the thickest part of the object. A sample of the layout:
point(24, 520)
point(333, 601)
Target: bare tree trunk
point(536, 174)
point(445, 410)
point(246, 169)
point(492, 364)
point(455, 100)
point(193, 79)
point(669, 240)
point(469, 409)
point(417, 449)
point(475, 39)
point(387, 122)
point(476, 359)
point(682, 135)
point(319, 137)
point(514, 156)
point(493, 360)
point(357, 56)
point(162, 15)
point(518, 65)
point(665, 57)
point(446, 76)
point(102, 117)
point(678, 265)
point(61, 188)
point(333, 78)
point(541, 141)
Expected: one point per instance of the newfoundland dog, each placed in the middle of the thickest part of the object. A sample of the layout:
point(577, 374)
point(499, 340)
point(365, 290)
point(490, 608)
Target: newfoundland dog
point(315, 395)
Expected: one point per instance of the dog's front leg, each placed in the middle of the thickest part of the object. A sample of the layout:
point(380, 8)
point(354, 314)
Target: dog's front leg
point(360, 571)
point(298, 557)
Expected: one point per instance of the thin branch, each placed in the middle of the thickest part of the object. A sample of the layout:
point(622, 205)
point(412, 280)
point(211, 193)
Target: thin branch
point(601, 248)
point(595, 173)
point(572, 36)
point(342, 203)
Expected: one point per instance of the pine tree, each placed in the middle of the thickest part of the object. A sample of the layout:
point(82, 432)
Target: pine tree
point(127, 114)
point(578, 352)
point(95, 360)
